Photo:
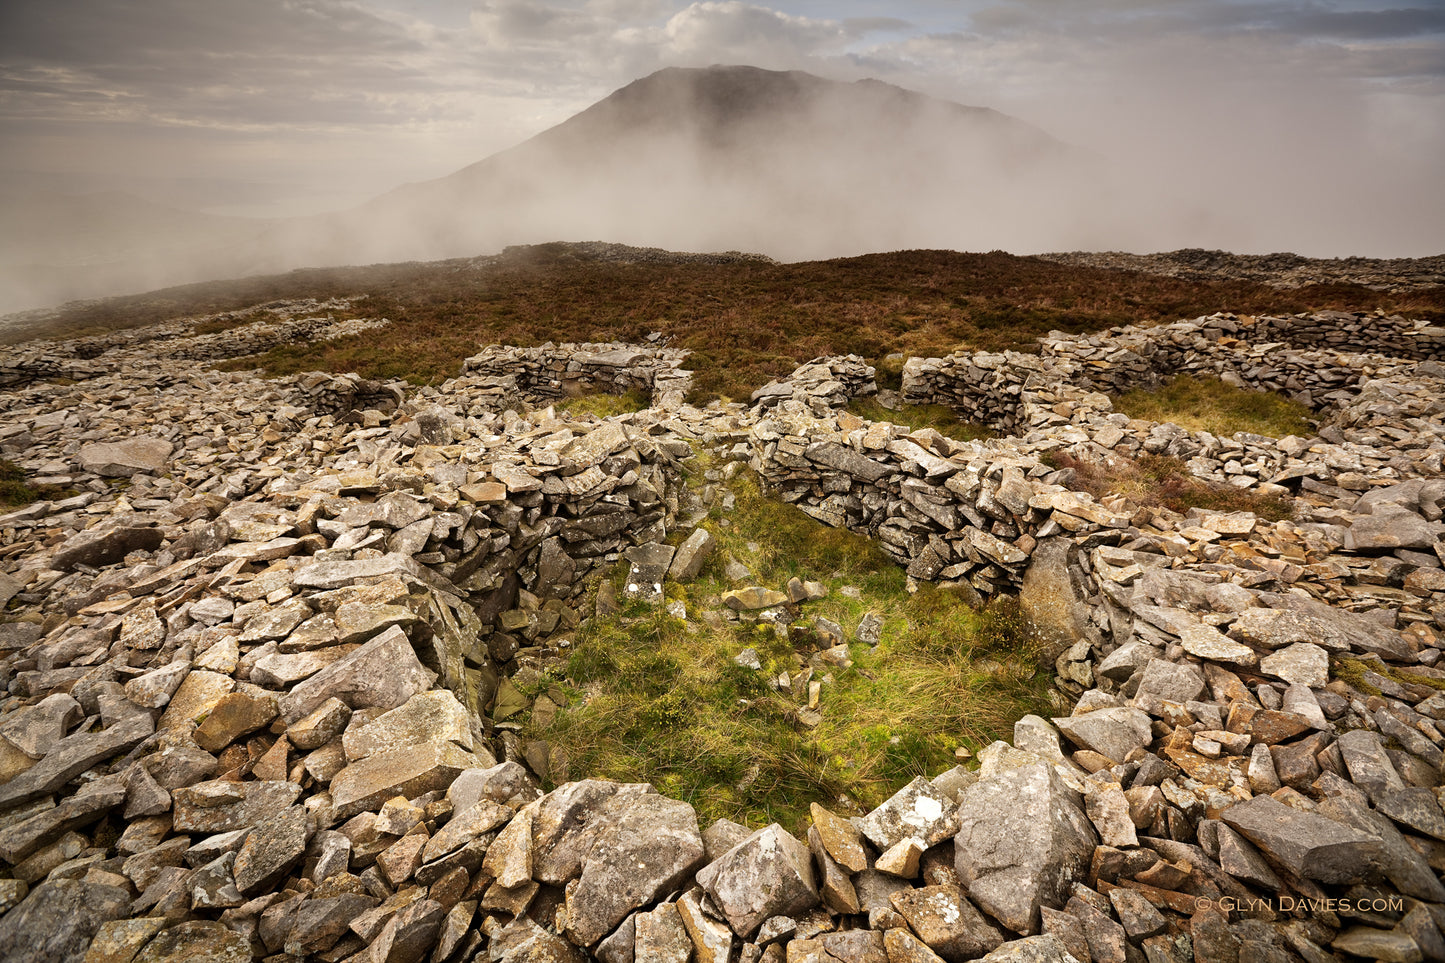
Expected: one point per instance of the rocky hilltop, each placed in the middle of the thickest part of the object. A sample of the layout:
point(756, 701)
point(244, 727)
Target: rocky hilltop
point(251, 665)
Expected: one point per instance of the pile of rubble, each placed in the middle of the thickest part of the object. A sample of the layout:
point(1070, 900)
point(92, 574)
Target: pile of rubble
point(252, 670)
point(241, 333)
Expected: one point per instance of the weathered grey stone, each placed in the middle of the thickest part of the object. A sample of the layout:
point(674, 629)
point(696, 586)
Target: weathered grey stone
point(124, 459)
point(768, 874)
point(1022, 840)
point(648, 845)
point(383, 673)
point(72, 756)
point(563, 830)
point(221, 806)
point(1387, 530)
point(1307, 845)
point(499, 783)
point(1385, 946)
point(408, 771)
point(271, 849)
point(234, 716)
point(1301, 663)
point(1110, 732)
point(1165, 681)
point(56, 922)
point(943, 918)
point(1031, 949)
point(917, 811)
point(691, 555)
point(523, 941)
point(649, 565)
point(846, 460)
point(1050, 600)
point(464, 827)
point(427, 717)
point(1370, 768)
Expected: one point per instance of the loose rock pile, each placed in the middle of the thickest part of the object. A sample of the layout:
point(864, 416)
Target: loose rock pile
point(250, 687)
point(83, 358)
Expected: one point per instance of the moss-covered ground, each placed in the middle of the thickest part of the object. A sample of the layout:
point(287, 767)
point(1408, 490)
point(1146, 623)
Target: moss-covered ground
point(655, 698)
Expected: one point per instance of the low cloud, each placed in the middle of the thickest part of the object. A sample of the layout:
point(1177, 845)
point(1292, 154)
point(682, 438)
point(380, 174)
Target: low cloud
point(1307, 125)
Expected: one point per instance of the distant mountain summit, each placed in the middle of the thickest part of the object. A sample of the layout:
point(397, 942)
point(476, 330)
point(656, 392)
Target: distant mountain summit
point(786, 163)
point(783, 163)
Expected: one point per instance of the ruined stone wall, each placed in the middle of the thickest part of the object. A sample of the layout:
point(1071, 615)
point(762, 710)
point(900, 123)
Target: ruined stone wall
point(241, 697)
point(553, 372)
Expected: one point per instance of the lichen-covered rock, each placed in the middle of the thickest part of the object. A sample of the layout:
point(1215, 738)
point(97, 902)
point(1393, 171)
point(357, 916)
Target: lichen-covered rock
point(1022, 840)
point(646, 848)
point(768, 874)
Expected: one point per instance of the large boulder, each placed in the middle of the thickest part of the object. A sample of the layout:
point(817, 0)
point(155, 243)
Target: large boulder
point(384, 673)
point(768, 874)
point(1306, 844)
point(1023, 839)
point(1051, 601)
point(647, 846)
point(122, 459)
point(57, 921)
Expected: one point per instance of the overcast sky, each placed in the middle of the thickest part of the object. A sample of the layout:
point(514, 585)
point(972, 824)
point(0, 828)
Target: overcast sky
point(284, 106)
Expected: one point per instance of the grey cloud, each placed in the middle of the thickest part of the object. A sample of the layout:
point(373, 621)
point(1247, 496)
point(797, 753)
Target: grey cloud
point(1369, 24)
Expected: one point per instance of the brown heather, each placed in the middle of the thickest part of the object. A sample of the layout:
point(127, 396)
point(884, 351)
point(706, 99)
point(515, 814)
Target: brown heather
point(746, 322)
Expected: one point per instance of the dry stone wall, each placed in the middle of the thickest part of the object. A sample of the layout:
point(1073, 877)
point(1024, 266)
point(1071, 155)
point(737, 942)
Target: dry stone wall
point(243, 688)
point(85, 358)
point(552, 372)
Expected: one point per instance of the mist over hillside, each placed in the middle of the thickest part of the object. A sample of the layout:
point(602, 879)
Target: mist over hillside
point(722, 158)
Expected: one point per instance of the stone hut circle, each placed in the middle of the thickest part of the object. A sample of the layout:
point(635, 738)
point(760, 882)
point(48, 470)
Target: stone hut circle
point(248, 666)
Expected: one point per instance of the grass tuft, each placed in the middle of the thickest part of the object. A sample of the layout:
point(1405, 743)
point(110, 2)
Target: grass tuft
point(1162, 481)
point(606, 406)
point(16, 492)
point(1208, 404)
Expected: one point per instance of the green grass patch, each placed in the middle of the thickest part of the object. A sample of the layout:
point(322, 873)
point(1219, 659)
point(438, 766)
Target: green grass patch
point(655, 699)
point(940, 418)
point(605, 405)
point(1208, 404)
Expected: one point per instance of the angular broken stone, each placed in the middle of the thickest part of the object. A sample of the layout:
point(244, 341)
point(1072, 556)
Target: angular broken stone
point(221, 806)
point(383, 673)
point(434, 716)
point(1022, 839)
point(691, 555)
point(840, 838)
point(1307, 845)
point(124, 459)
point(235, 715)
point(646, 848)
point(753, 597)
point(649, 565)
point(409, 772)
point(271, 849)
point(768, 874)
point(1110, 732)
point(943, 918)
point(1301, 663)
point(917, 811)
